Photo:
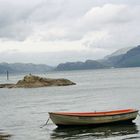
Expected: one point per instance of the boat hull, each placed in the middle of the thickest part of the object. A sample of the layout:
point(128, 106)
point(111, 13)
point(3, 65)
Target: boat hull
point(70, 120)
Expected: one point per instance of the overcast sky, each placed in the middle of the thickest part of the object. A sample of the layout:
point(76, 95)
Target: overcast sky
point(55, 31)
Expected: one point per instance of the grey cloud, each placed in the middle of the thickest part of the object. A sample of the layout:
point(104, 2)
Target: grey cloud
point(17, 31)
point(89, 22)
point(46, 11)
point(95, 19)
point(21, 19)
point(14, 23)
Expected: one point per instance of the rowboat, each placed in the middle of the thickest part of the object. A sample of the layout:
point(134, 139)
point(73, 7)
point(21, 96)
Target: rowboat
point(92, 118)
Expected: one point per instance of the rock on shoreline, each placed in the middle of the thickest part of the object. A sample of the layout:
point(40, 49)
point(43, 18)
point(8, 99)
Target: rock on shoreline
point(32, 81)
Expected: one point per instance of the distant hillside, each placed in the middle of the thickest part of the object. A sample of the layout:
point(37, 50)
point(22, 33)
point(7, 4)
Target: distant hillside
point(24, 68)
point(115, 57)
point(119, 52)
point(126, 57)
point(130, 59)
point(89, 64)
point(112, 60)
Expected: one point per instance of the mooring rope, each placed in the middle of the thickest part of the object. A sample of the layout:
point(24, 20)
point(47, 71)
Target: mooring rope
point(45, 123)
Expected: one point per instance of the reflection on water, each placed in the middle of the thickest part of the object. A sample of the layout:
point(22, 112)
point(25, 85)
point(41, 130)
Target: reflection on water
point(4, 136)
point(98, 132)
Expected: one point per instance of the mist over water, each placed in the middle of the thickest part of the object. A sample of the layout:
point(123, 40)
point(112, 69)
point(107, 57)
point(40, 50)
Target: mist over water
point(23, 111)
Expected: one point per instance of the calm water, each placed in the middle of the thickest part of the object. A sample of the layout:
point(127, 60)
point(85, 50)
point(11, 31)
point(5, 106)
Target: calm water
point(23, 111)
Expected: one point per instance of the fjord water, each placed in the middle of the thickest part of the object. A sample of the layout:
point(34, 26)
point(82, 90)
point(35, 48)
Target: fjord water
point(23, 111)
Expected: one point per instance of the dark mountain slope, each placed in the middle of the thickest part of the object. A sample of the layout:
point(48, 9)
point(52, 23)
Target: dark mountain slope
point(130, 59)
point(89, 64)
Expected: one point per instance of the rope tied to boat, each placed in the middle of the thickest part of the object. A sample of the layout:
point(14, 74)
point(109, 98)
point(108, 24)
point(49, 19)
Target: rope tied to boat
point(45, 123)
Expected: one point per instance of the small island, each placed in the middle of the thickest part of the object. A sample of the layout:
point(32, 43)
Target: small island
point(32, 81)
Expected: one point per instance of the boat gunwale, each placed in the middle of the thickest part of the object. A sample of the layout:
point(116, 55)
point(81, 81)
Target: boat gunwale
point(92, 114)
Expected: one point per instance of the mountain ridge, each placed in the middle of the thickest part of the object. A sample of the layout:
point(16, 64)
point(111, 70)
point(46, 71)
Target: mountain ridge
point(129, 57)
point(126, 57)
point(24, 68)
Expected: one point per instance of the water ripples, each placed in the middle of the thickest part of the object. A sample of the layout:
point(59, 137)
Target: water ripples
point(22, 111)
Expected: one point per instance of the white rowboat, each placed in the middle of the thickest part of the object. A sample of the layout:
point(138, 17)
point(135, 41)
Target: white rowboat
point(92, 118)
